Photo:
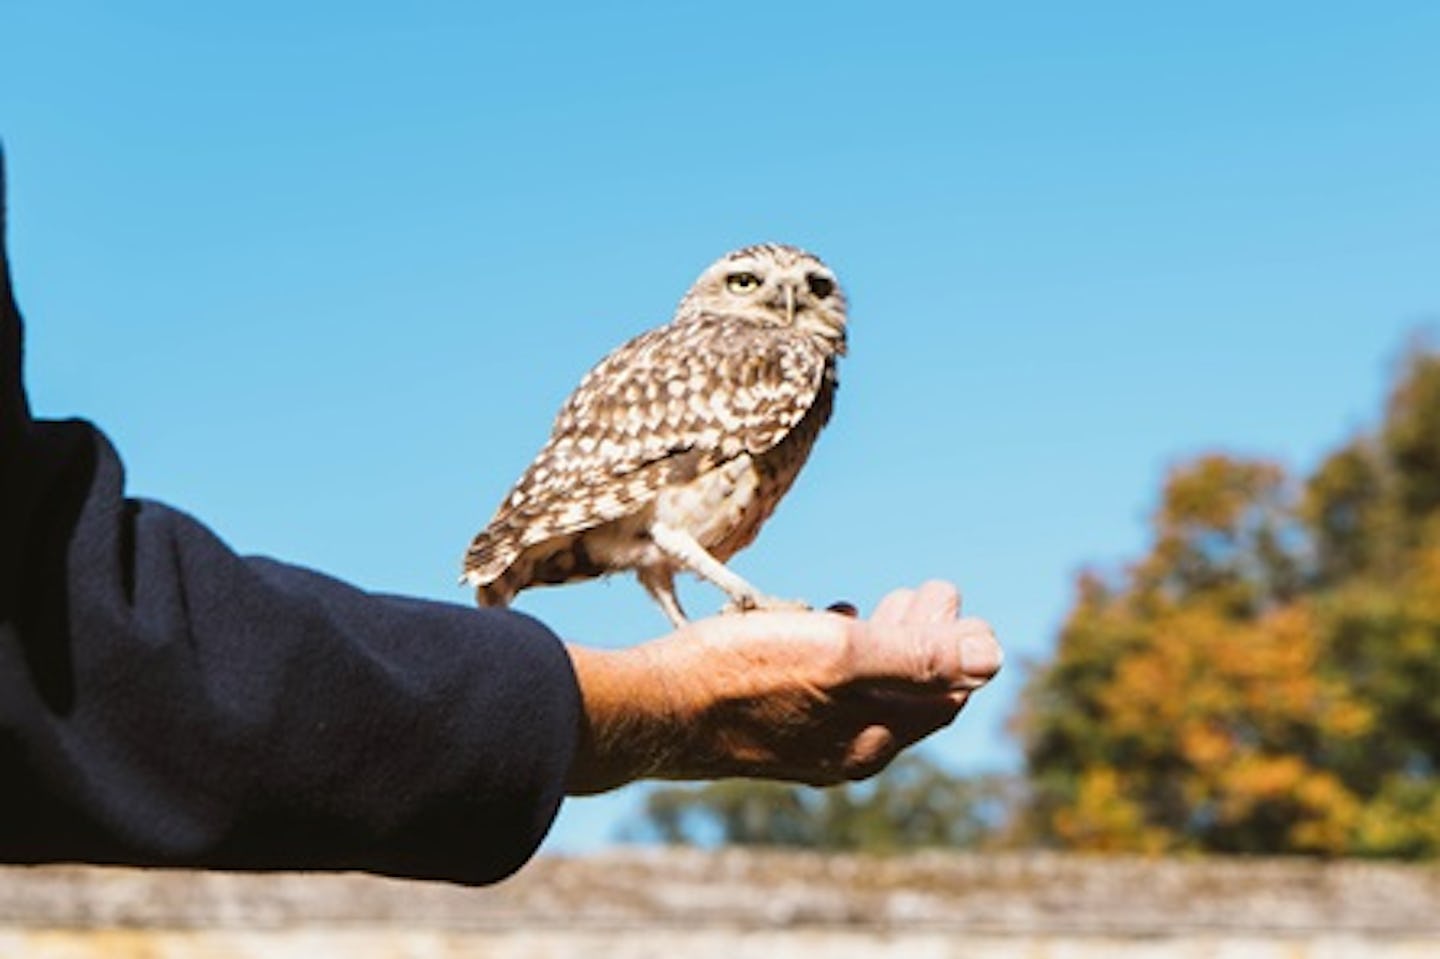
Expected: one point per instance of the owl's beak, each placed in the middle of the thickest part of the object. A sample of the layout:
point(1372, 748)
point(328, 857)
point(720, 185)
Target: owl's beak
point(789, 304)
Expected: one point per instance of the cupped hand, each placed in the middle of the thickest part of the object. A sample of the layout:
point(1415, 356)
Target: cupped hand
point(813, 697)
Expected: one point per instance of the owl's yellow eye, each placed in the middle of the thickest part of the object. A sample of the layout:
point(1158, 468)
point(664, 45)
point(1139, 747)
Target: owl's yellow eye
point(742, 282)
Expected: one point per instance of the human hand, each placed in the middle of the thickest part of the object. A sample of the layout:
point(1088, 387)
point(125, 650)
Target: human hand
point(803, 696)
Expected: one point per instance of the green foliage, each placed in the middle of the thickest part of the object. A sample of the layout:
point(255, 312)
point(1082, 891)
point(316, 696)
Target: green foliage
point(1265, 679)
point(1410, 438)
point(914, 804)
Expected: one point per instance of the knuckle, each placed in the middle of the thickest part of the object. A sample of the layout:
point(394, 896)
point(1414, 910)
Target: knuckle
point(863, 768)
point(871, 753)
point(841, 663)
point(946, 594)
point(931, 664)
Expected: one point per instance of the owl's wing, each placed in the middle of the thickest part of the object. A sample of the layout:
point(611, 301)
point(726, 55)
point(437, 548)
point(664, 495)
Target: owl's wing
point(664, 407)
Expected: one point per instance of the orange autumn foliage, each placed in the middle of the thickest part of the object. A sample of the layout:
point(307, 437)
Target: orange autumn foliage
point(1267, 677)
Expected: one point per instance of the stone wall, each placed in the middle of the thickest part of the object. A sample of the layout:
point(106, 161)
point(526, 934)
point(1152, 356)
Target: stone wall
point(734, 905)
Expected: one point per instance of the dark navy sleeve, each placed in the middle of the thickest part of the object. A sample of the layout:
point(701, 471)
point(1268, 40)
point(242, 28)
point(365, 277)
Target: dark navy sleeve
point(165, 701)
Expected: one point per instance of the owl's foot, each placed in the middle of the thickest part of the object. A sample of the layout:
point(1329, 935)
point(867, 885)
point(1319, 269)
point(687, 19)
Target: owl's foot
point(686, 553)
point(659, 582)
point(767, 604)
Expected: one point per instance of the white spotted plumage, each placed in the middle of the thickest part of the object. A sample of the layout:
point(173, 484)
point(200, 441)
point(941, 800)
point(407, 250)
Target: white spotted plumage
point(676, 447)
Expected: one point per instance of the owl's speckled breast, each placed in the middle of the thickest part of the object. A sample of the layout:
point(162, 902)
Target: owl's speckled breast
point(774, 472)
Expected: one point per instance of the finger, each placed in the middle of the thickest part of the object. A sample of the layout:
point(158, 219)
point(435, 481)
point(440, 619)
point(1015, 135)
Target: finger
point(936, 601)
point(893, 607)
point(980, 654)
point(921, 717)
point(869, 753)
point(962, 654)
point(897, 723)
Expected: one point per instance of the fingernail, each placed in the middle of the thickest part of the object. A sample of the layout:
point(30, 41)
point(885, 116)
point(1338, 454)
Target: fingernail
point(844, 608)
point(980, 656)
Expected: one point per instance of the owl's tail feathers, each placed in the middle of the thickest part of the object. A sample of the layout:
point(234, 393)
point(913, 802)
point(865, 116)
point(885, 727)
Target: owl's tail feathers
point(486, 568)
point(497, 592)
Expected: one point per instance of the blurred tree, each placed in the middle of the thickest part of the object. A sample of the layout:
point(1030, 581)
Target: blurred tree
point(1410, 441)
point(913, 804)
point(1265, 679)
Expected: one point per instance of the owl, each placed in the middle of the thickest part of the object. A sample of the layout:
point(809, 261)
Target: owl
point(675, 448)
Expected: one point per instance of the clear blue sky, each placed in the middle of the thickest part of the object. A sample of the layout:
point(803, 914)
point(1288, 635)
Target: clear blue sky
point(324, 271)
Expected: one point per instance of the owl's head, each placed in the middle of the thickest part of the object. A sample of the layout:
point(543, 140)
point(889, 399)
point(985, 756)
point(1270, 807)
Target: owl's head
point(773, 285)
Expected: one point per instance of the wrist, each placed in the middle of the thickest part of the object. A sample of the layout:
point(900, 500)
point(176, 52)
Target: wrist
point(631, 726)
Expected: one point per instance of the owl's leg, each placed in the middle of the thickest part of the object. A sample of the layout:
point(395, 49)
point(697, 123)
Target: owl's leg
point(659, 582)
point(683, 549)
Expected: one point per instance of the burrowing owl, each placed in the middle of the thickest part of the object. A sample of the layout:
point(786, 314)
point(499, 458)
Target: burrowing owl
point(676, 448)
